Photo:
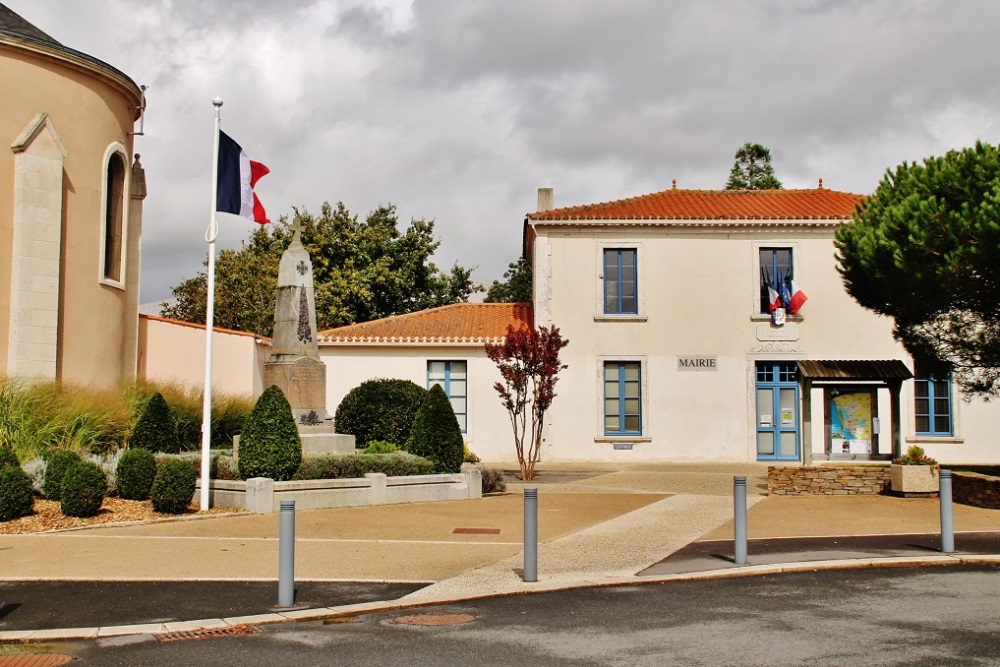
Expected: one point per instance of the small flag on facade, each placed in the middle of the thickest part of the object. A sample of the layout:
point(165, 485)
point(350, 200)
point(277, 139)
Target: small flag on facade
point(797, 299)
point(238, 175)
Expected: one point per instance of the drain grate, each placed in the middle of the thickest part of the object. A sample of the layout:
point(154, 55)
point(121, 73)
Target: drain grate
point(206, 633)
point(35, 660)
point(434, 619)
point(476, 531)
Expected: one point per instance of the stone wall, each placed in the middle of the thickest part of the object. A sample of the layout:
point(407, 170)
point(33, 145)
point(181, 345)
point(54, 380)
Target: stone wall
point(972, 488)
point(827, 480)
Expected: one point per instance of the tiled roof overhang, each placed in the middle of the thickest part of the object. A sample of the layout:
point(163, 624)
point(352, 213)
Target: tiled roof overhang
point(848, 370)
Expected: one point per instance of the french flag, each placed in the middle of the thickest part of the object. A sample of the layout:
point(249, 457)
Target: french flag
point(774, 298)
point(797, 299)
point(238, 175)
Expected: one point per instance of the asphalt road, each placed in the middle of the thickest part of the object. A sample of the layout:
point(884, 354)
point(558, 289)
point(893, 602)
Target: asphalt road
point(913, 617)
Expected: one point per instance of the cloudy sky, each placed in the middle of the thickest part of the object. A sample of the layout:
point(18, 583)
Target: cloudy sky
point(459, 111)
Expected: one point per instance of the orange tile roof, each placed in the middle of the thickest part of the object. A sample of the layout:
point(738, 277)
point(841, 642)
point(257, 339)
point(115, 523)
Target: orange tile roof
point(818, 204)
point(195, 325)
point(457, 323)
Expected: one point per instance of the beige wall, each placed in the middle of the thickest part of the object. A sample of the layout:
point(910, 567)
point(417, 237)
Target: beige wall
point(90, 106)
point(489, 433)
point(698, 292)
point(174, 352)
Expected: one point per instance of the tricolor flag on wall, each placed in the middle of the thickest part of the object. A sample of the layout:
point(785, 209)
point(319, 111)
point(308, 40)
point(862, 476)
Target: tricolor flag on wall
point(797, 298)
point(238, 175)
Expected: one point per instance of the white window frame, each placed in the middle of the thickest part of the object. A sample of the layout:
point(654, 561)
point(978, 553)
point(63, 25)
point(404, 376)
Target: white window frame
point(114, 148)
point(468, 385)
point(644, 398)
point(640, 290)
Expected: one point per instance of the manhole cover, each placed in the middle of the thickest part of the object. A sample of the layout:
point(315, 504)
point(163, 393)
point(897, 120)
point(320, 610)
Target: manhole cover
point(434, 619)
point(35, 660)
point(205, 633)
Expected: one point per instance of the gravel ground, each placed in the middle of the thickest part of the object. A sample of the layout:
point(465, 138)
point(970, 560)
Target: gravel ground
point(47, 516)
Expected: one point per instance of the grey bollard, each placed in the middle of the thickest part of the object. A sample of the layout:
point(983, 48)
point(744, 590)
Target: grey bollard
point(947, 515)
point(530, 535)
point(286, 555)
point(740, 519)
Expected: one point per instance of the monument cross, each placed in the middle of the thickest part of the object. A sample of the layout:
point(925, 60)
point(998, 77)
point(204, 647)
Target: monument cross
point(297, 228)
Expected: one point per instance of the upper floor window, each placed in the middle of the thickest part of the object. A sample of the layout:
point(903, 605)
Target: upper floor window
point(621, 281)
point(114, 205)
point(932, 406)
point(453, 378)
point(622, 398)
point(775, 274)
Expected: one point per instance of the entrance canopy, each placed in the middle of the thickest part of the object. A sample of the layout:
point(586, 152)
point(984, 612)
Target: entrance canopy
point(880, 373)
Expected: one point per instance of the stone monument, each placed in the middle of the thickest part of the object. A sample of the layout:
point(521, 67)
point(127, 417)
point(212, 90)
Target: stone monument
point(295, 365)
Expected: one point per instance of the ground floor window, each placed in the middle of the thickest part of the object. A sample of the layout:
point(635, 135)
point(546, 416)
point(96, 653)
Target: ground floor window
point(932, 406)
point(452, 376)
point(622, 398)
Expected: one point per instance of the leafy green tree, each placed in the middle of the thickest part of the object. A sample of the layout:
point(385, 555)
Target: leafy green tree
point(362, 270)
point(752, 169)
point(925, 251)
point(515, 287)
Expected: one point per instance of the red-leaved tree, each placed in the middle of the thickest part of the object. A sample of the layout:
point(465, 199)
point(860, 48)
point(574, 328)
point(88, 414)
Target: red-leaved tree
point(528, 361)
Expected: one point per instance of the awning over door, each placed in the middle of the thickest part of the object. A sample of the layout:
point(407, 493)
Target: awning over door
point(888, 371)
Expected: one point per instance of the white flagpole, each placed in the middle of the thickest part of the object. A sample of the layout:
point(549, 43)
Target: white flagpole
point(210, 234)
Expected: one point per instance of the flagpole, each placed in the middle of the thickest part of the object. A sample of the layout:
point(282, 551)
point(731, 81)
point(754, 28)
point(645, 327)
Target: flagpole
point(210, 234)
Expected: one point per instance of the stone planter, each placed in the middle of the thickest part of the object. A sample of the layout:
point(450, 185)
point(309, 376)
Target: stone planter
point(905, 479)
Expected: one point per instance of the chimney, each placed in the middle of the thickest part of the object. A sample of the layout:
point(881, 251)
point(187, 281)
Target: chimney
point(545, 199)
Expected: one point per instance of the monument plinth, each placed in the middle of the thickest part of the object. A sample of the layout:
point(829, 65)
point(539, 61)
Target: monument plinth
point(295, 365)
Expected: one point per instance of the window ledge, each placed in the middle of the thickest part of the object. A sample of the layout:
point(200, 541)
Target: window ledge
point(620, 318)
point(937, 439)
point(623, 438)
point(767, 318)
point(110, 282)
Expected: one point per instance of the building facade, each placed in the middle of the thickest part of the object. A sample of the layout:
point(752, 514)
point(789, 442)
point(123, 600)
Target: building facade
point(70, 212)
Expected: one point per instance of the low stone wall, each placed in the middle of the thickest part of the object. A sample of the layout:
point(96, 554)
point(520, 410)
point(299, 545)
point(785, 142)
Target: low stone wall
point(972, 488)
point(264, 496)
point(827, 480)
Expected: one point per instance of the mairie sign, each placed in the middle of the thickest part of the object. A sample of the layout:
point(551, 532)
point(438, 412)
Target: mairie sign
point(698, 363)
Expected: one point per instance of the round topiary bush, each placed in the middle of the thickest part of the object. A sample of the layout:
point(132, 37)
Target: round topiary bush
point(8, 458)
point(134, 474)
point(173, 487)
point(379, 410)
point(436, 435)
point(156, 430)
point(16, 496)
point(56, 464)
point(270, 445)
point(84, 486)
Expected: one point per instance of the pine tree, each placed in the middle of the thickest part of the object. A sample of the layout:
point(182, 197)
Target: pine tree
point(752, 169)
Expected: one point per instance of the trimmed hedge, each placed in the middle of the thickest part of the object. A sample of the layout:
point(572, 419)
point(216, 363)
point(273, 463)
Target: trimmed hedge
point(270, 445)
point(380, 447)
point(381, 409)
point(17, 498)
point(436, 434)
point(56, 464)
point(173, 487)
point(84, 486)
point(156, 430)
point(341, 466)
point(134, 474)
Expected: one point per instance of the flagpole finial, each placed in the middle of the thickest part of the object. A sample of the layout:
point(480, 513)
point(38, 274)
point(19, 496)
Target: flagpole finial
point(217, 102)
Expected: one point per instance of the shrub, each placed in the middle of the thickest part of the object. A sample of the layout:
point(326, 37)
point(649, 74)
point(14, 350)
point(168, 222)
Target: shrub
point(380, 447)
point(469, 456)
point(341, 466)
point(380, 409)
point(84, 486)
point(493, 481)
point(270, 445)
point(436, 434)
point(16, 496)
point(56, 464)
point(155, 429)
point(134, 474)
point(8, 458)
point(173, 487)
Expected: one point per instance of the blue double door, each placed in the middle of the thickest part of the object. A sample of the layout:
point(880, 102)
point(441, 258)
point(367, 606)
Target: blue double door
point(777, 414)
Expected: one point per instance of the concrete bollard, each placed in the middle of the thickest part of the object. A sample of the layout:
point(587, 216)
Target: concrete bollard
point(531, 535)
point(286, 555)
point(947, 514)
point(740, 519)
